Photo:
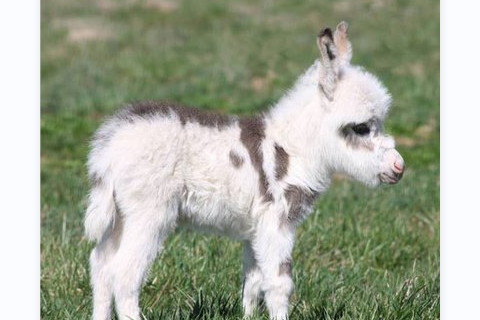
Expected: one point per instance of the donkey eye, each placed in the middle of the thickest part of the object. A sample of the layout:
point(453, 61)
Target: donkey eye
point(361, 129)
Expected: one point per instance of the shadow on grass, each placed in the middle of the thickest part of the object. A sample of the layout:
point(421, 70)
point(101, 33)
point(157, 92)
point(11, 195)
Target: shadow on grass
point(202, 307)
point(227, 306)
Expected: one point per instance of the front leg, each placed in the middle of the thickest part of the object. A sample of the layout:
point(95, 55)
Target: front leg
point(273, 246)
point(252, 281)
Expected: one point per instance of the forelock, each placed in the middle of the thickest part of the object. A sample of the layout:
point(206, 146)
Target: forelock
point(361, 89)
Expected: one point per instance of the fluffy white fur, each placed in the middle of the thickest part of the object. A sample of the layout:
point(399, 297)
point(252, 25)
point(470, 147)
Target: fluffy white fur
point(155, 172)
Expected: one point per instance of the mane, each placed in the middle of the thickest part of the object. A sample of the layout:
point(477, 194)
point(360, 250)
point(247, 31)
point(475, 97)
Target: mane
point(299, 95)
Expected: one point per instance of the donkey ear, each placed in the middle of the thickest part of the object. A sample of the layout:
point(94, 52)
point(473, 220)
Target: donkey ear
point(329, 70)
point(343, 45)
point(335, 51)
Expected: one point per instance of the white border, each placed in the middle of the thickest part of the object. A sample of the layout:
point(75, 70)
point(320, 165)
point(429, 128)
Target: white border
point(20, 160)
point(20, 185)
point(460, 160)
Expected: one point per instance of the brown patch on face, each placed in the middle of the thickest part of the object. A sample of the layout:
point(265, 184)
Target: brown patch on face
point(359, 143)
point(185, 114)
point(252, 133)
point(235, 159)
point(300, 201)
point(281, 162)
point(355, 140)
point(285, 268)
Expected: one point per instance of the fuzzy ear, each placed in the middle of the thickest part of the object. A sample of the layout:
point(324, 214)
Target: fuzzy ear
point(335, 51)
point(344, 47)
point(328, 52)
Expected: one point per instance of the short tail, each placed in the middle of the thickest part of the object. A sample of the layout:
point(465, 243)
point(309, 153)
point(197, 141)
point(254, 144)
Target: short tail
point(101, 211)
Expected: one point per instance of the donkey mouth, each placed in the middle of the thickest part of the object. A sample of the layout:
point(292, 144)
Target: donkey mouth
point(390, 178)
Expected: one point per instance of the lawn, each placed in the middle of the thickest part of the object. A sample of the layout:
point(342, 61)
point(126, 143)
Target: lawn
point(363, 254)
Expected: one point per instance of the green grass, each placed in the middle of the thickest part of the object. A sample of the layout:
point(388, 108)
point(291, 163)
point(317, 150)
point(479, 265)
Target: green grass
point(364, 254)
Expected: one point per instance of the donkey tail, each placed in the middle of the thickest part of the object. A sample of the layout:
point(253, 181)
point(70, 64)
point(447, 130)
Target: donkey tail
point(101, 211)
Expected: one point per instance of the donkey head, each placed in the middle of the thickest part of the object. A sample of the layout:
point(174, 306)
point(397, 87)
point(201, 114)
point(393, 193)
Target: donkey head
point(356, 104)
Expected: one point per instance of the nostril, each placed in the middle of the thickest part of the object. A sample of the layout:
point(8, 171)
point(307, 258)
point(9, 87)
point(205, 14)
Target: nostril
point(399, 166)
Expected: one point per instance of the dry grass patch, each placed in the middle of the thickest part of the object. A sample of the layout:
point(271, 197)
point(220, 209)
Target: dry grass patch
point(262, 83)
point(415, 69)
point(422, 134)
point(82, 30)
point(162, 6)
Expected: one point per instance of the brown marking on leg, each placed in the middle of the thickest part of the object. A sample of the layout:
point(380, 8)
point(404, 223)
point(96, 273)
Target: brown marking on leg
point(285, 268)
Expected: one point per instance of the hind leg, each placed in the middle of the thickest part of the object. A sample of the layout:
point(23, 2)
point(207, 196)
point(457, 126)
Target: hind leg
point(101, 285)
point(100, 272)
point(143, 236)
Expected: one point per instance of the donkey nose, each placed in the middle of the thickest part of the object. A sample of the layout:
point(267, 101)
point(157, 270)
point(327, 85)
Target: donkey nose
point(398, 166)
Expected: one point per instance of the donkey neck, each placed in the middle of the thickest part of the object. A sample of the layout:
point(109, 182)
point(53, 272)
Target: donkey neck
point(294, 122)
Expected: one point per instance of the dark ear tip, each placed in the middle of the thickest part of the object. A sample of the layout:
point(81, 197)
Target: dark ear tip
point(326, 32)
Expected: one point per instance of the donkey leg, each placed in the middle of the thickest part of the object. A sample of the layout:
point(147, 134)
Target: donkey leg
point(252, 281)
point(143, 236)
point(101, 273)
point(273, 247)
point(101, 284)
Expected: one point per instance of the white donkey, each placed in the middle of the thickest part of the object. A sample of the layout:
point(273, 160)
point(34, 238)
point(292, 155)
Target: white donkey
point(158, 166)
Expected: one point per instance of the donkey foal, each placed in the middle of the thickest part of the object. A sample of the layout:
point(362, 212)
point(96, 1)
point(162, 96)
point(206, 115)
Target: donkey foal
point(156, 166)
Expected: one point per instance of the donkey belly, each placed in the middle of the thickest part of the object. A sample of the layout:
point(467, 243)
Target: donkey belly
point(217, 209)
point(218, 180)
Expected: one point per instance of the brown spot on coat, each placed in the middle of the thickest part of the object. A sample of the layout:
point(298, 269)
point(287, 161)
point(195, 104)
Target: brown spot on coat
point(96, 180)
point(281, 162)
point(252, 133)
point(235, 159)
point(285, 268)
point(300, 201)
point(185, 114)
